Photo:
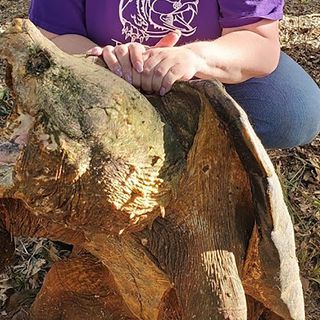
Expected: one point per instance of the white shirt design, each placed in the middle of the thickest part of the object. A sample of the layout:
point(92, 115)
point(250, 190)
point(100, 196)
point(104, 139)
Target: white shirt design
point(144, 19)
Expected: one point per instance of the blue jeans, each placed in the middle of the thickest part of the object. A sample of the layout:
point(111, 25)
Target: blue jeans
point(283, 107)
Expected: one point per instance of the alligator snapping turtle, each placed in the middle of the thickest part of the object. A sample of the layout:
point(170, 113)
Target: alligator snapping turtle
point(172, 203)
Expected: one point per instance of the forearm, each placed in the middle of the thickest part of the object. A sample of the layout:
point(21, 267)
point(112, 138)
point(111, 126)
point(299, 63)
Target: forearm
point(69, 43)
point(73, 44)
point(237, 56)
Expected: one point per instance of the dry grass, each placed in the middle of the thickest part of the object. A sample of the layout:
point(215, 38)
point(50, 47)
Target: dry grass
point(299, 168)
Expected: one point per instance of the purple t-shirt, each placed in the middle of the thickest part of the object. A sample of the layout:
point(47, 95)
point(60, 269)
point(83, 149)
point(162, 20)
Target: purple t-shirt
point(120, 21)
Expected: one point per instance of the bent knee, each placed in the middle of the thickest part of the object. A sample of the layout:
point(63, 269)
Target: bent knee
point(291, 130)
point(284, 140)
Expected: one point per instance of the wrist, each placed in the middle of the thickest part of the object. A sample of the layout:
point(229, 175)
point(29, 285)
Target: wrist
point(204, 53)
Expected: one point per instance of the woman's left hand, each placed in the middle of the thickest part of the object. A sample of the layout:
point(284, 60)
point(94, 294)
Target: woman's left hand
point(164, 66)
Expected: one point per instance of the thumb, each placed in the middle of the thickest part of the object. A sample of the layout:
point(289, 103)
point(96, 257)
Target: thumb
point(169, 40)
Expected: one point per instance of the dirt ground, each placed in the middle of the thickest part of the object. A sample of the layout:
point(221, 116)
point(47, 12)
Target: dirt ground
point(298, 168)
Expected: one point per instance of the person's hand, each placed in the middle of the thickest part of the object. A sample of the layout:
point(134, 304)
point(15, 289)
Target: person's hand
point(126, 60)
point(164, 66)
point(122, 59)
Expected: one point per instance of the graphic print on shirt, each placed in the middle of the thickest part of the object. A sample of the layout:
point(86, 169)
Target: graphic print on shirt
point(144, 19)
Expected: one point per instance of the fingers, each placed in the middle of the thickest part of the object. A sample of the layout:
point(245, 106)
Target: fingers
point(153, 70)
point(120, 60)
point(146, 82)
point(150, 70)
point(161, 77)
point(136, 51)
point(122, 54)
point(111, 60)
point(160, 71)
point(147, 77)
point(136, 79)
point(123, 58)
point(95, 51)
point(173, 75)
point(170, 39)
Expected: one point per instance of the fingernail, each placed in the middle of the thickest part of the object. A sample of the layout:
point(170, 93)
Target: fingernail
point(118, 72)
point(139, 67)
point(94, 51)
point(162, 91)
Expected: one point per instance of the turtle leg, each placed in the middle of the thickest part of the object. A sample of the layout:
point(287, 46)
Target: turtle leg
point(79, 288)
point(257, 311)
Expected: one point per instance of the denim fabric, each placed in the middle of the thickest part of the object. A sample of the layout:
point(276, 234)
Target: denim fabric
point(283, 107)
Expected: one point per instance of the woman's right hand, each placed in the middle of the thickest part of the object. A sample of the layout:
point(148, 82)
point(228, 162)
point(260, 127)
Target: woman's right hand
point(126, 60)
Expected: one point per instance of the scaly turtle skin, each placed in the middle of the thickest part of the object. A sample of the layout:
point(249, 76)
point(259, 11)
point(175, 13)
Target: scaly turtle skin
point(174, 196)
